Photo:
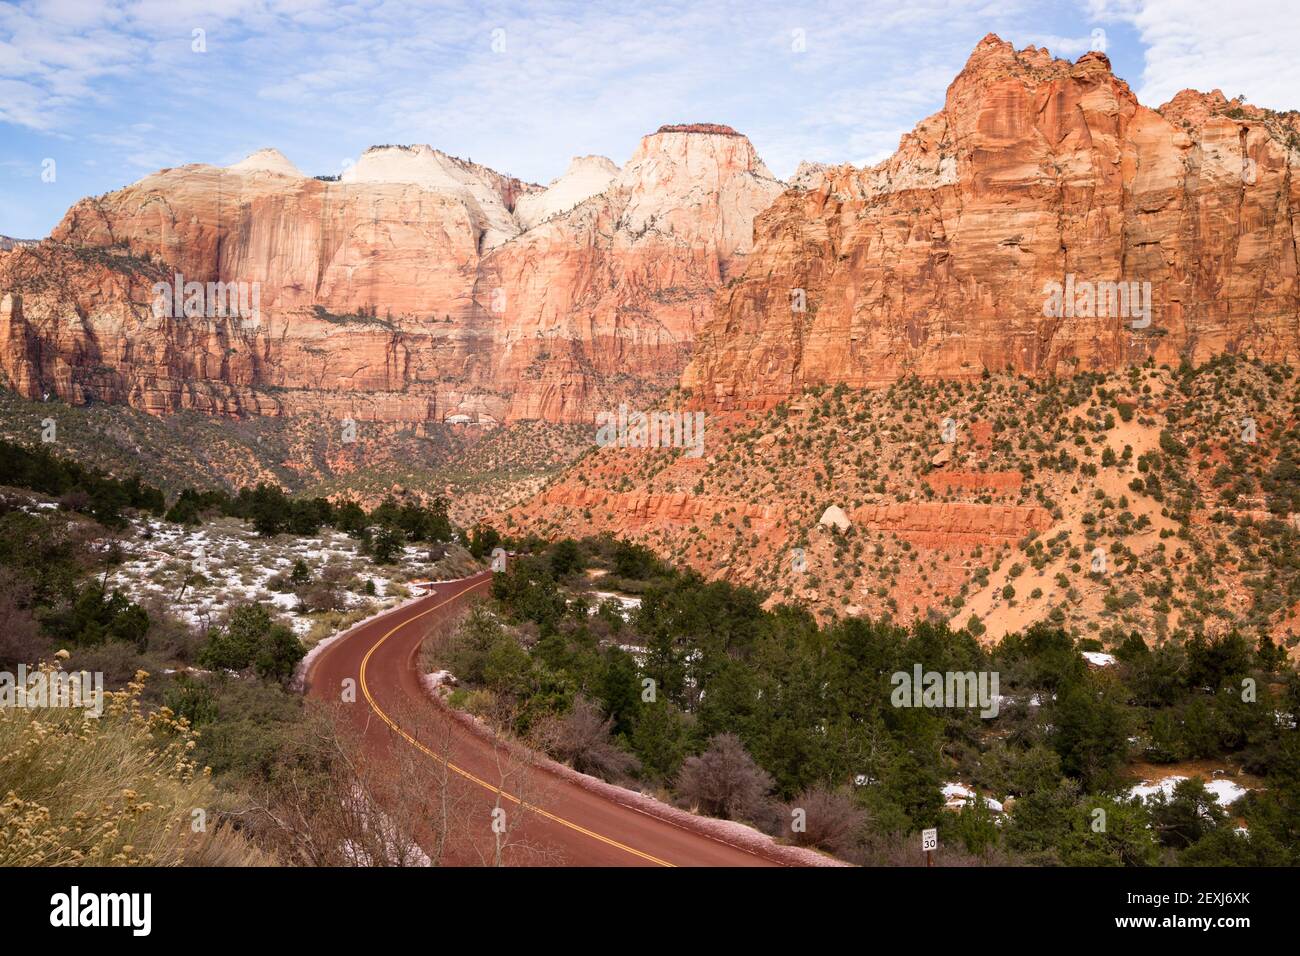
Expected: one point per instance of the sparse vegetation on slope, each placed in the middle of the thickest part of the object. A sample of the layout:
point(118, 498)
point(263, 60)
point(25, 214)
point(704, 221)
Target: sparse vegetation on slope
point(1159, 499)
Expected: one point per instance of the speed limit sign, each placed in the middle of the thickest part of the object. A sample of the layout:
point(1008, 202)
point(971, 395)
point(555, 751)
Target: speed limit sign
point(929, 840)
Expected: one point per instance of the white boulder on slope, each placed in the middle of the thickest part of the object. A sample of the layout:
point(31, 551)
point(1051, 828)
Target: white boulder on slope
point(835, 516)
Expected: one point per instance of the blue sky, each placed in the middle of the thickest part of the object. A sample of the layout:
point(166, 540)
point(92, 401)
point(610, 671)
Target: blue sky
point(110, 90)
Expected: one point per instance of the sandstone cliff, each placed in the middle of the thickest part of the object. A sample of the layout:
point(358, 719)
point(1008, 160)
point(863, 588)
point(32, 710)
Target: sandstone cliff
point(414, 287)
point(937, 261)
point(620, 284)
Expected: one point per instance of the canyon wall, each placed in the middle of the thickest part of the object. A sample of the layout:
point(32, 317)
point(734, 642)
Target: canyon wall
point(938, 261)
point(418, 286)
point(414, 287)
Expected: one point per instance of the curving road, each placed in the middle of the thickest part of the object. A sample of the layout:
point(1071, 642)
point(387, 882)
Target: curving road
point(568, 823)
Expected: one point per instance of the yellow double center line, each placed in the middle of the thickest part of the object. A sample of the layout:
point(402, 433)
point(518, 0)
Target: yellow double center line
point(365, 689)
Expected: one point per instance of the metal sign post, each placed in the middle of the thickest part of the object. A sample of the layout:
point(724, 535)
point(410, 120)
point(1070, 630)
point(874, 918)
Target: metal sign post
point(929, 843)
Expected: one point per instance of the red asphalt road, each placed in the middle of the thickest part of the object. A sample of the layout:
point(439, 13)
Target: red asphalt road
point(575, 826)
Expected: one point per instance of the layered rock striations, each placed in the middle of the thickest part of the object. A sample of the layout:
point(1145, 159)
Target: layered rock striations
point(416, 286)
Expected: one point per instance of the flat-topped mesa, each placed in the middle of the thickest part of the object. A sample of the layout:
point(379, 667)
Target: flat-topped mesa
point(619, 283)
point(627, 274)
point(708, 143)
point(716, 129)
point(662, 183)
point(1036, 174)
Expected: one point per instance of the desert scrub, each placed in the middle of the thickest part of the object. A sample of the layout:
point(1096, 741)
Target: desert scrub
point(119, 790)
point(332, 622)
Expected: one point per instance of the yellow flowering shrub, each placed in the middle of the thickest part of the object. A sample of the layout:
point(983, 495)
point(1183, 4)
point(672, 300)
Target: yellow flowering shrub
point(122, 789)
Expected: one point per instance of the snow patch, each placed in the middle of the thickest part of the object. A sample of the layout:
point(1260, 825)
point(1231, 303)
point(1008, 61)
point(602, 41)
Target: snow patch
point(1098, 659)
point(957, 796)
point(1225, 792)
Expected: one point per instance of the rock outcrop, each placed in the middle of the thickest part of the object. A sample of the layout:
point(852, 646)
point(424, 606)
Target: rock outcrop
point(954, 523)
point(586, 176)
point(809, 175)
point(835, 517)
point(622, 512)
point(939, 261)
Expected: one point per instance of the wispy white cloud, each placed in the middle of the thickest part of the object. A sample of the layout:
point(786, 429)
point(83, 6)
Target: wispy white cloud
point(1240, 48)
point(520, 85)
point(1071, 47)
point(524, 85)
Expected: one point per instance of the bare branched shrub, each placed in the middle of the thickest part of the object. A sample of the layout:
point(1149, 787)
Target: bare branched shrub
point(321, 596)
point(20, 637)
point(170, 636)
point(582, 738)
point(340, 798)
point(830, 820)
point(335, 800)
point(515, 771)
point(724, 781)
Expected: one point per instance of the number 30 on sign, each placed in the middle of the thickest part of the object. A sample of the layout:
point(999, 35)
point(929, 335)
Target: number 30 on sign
point(929, 840)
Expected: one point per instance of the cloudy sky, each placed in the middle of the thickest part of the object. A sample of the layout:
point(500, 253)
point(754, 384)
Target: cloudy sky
point(100, 92)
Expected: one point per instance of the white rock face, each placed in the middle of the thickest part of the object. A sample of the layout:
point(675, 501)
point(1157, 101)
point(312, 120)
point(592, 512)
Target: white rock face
point(484, 193)
point(586, 176)
point(809, 175)
point(697, 185)
point(268, 161)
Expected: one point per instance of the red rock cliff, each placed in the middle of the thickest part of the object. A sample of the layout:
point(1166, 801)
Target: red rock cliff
point(937, 262)
point(417, 287)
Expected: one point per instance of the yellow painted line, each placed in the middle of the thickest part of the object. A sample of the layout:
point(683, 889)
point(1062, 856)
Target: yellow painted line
point(365, 689)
